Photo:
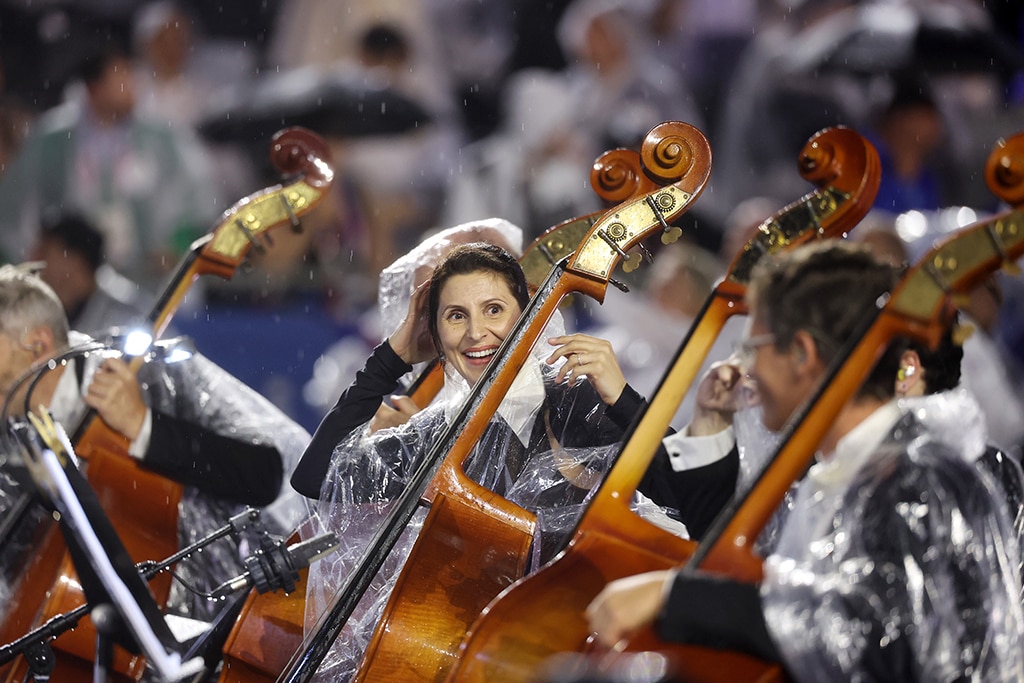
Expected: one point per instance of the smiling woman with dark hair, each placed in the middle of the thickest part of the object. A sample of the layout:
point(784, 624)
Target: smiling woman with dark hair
point(545, 448)
point(462, 315)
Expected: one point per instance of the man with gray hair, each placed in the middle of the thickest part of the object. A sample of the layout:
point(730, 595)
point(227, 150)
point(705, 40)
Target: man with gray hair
point(189, 421)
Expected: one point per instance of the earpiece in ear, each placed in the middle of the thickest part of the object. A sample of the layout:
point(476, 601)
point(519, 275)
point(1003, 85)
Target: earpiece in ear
point(905, 372)
point(801, 355)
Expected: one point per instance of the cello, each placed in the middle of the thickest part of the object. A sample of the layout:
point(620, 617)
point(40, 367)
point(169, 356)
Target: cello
point(544, 613)
point(269, 628)
point(141, 504)
point(473, 541)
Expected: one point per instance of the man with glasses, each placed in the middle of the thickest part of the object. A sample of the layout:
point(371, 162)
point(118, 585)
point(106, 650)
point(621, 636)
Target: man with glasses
point(897, 560)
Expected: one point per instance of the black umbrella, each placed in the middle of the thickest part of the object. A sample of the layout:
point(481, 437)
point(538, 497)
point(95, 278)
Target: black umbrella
point(873, 39)
point(335, 102)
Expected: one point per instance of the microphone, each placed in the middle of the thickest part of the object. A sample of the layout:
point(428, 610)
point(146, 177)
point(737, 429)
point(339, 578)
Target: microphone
point(277, 566)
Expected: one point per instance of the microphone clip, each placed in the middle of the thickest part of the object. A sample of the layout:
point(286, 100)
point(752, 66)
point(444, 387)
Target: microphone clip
point(271, 568)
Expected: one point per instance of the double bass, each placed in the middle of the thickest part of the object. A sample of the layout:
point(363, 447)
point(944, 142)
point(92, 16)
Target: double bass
point(268, 629)
point(544, 613)
point(919, 307)
point(142, 505)
point(473, 541)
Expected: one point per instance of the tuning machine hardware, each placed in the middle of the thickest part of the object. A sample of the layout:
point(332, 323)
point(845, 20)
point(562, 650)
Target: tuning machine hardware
point(669, 233)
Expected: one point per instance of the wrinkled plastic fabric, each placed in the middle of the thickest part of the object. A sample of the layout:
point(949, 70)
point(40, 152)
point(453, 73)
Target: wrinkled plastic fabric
point(369, 471)
point(19, 540)
point(197, 390)
point(906, 570)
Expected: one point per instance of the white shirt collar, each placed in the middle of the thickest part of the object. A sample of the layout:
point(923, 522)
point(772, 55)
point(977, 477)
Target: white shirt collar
point(856, 447)
point(66, 405)
point(519, 407)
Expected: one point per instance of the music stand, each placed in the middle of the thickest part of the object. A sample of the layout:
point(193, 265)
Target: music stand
point(124, 610)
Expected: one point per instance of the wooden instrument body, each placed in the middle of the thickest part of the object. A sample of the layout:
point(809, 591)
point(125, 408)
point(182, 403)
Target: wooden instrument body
point(474, 542)
point(266, 633)
point(616, 177)
point(518, 630)
point(143, 505)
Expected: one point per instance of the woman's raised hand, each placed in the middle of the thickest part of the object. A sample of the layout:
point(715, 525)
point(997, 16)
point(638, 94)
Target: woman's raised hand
point(722, 391)
point(411, 340)
point(590, 357)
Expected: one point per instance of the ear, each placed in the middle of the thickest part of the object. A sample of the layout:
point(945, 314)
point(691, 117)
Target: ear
point(910, 377)
point(805, 352)
point(39, 341)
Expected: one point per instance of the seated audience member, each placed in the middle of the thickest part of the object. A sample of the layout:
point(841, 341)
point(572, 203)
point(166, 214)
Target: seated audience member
point(95, 297)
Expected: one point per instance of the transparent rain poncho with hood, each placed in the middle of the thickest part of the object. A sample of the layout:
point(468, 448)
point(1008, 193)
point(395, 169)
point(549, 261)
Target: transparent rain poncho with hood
point(545, 449)
point(900, 562)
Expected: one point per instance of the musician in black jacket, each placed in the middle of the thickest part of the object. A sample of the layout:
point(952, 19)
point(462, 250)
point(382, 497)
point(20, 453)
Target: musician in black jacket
point(898, 560)
point(189, 421)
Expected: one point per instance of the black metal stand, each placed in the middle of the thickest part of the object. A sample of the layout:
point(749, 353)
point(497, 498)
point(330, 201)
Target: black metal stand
point(35, 644)
point(123, 608)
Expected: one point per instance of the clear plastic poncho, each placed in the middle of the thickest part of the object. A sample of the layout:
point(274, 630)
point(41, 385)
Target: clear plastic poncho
point(201, 392)
point(905, 567)
point(546, 449)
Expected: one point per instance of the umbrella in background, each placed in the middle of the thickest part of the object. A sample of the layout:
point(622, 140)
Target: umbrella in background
point(335, 102)
point(934, 37)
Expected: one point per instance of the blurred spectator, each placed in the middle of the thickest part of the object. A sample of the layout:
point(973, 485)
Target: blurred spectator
point(534, 171)
point(145, 186)
point(620, 89)
point(908, 133)
point(167, 89)
point(180, 71)
point(480, 39)
point(401, 177)
point(15, 120)
point(95, 297)
point(769, 113)
point(405, 175)
point(703, 41)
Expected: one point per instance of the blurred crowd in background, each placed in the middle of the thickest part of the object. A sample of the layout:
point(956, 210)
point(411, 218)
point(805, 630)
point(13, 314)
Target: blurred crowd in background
point(128, 127)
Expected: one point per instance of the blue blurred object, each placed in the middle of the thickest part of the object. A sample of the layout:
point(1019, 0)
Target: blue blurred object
point(273, 350)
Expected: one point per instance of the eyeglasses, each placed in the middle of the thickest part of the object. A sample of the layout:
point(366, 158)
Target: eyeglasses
point(746, 348)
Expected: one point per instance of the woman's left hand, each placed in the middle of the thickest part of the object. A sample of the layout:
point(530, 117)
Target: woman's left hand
point(591, 357)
